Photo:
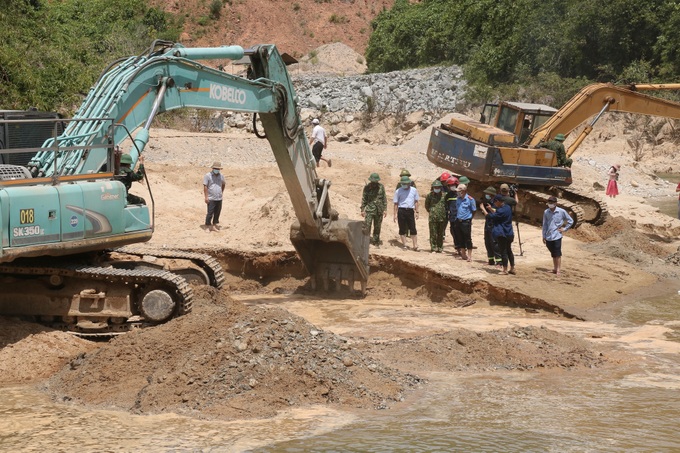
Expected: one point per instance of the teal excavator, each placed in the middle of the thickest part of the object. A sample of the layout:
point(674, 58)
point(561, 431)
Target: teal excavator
point(70, 252)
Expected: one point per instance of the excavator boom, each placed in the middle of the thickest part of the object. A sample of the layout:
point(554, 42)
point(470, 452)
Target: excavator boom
point(594, 100)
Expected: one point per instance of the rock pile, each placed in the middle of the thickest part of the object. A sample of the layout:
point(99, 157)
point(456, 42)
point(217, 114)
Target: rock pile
point(435, 89)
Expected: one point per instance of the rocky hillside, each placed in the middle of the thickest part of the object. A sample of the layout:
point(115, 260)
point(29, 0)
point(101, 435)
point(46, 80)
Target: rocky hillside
point(295, 26)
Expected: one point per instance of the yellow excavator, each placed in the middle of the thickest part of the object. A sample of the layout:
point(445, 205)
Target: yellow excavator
point(508, 145)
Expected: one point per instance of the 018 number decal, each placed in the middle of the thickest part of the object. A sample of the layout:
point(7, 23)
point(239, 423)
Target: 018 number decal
point(26, 216)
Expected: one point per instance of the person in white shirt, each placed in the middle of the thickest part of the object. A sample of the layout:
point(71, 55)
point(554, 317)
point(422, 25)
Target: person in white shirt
point(213, 190)
point(556, 221)
point(406, 210)
point(319, 142)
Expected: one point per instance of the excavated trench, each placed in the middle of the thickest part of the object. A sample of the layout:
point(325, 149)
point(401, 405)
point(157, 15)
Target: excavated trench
point(283, 272)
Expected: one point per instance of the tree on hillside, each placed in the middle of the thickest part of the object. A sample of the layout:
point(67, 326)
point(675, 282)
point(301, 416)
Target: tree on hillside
point(52, 52)
point(509, 41)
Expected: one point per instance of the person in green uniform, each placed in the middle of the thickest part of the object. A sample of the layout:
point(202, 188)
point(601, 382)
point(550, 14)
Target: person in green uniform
point(557, 145)
point(373, 207)
point(435, 205)
point(127, 176)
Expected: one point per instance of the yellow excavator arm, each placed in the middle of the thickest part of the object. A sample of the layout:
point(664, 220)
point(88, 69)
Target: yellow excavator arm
point(595, 100)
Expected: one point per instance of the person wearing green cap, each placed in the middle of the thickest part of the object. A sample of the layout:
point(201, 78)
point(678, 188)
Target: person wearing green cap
point(402, 173)
point(435, 205)
point(406, 210)
point(557, 145)
point(405, 172)
point(374, 207)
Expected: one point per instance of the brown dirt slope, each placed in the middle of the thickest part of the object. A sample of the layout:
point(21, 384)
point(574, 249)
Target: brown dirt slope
point(296, 27)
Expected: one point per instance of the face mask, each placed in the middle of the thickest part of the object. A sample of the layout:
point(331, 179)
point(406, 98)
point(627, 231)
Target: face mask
point(405, 186)
point(488, 197)
point(216, 171)
point(436, 190)
point(552, 205)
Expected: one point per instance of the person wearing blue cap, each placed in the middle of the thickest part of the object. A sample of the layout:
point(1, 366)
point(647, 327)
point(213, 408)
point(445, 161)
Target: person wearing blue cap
point(501, 217)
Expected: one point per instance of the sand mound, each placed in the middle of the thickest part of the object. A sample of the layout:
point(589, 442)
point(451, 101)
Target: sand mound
point(229, 361)
point(29, 351)
point(520, 349)
point(334, 58)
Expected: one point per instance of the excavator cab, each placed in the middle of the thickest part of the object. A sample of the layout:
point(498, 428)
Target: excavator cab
point(518, 118)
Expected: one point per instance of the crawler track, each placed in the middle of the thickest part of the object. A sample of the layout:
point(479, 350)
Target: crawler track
point(91, 300)
point(204, 261)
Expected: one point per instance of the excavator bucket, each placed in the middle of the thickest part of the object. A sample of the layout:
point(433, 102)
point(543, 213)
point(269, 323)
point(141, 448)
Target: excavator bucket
point(340, 255)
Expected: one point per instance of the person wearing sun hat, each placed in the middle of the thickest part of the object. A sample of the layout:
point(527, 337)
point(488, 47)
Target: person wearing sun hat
point(213, 189)
point(373, 207)
point(612, 185)
point(556, 221)
point(406, 210)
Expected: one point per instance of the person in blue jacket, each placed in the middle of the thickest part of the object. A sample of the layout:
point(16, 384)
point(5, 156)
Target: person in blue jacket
point(501, 217)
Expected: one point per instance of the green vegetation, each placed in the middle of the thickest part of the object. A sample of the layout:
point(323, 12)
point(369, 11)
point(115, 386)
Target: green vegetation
point(52, 52)
point(532, 47)
point(338, 19)
point(215, 9)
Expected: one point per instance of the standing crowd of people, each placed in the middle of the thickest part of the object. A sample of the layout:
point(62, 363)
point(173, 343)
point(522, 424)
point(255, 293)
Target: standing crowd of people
point(449, 203)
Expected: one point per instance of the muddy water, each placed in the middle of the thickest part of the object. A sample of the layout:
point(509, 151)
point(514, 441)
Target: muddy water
point(633, 408)
point(667, 205)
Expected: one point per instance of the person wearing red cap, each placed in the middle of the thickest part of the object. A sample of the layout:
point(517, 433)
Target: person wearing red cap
point(556, 221)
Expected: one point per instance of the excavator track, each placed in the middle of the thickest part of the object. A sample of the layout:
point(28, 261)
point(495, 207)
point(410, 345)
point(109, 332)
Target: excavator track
point(93, 301)
point(582, 207)
point(595, 211)
point(210, 266)
point(532, 204)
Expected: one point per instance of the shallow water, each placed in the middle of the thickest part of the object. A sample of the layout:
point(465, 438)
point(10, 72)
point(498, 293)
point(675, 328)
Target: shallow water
point(631, 407)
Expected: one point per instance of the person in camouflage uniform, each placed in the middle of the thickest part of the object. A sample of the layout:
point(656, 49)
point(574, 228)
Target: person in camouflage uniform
point(435, 205)
point(127, 176)
point(374, 207)
point(557, 146)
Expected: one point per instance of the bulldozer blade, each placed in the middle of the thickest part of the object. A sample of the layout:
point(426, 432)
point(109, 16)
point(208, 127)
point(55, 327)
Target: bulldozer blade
point(340, 254)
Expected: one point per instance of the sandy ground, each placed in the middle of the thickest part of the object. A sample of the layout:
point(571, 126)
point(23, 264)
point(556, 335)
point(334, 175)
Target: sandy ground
point(282, 347)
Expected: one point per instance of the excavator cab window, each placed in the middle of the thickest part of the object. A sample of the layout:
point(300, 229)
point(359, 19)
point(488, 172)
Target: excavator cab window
point(507, 120)
point(488, 113)
point(539, 120)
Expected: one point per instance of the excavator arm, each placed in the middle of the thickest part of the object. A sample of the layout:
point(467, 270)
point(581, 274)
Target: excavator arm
point(594, 100)
point(169, 76)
